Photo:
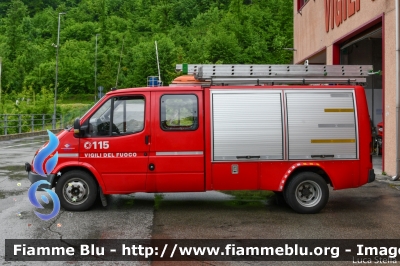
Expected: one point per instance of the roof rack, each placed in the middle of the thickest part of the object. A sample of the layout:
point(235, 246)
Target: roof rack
point(278, 74)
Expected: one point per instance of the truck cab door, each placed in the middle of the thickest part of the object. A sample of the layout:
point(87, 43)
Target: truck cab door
point(115, 142)
point(176, 161)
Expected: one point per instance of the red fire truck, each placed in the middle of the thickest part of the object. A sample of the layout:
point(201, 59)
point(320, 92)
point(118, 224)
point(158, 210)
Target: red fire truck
point(379, 139)
point(223, 127)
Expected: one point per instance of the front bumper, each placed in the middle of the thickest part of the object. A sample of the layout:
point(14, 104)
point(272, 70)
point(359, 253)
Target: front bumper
point(34, 177)
point(371, 176)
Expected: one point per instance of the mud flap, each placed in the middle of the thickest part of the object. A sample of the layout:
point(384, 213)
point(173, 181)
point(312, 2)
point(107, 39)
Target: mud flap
point(371, 176)
point(102, 197)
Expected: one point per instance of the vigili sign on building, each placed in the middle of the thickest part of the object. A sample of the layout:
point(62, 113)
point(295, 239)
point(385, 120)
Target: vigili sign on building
point(337, 11)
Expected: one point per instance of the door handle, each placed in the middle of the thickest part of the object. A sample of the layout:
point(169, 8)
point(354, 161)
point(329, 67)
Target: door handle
point(248, 157)
point(323, 156)
point(146, 139)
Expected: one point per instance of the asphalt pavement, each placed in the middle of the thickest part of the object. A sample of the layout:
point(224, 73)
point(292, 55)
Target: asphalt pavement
point(377, 164)
point(18, 220)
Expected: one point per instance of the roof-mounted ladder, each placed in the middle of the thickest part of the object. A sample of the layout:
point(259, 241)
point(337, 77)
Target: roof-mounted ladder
point(278, 74)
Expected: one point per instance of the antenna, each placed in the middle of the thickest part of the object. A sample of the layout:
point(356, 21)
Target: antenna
point(158, 65)
point(119, 65)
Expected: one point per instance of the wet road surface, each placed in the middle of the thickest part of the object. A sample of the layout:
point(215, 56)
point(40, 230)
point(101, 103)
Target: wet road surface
point(369, 212)
point(126, 217)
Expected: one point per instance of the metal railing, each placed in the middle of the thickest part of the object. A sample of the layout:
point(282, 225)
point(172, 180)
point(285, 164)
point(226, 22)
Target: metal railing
point(22, 123)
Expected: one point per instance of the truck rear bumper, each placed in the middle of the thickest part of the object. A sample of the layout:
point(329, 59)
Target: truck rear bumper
point(371, 176)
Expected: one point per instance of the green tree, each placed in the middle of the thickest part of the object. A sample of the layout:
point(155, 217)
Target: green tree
point(187, 31)
point(75, 67)
point(13, 24)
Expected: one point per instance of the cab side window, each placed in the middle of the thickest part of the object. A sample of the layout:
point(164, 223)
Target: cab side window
point(129, 114)
point(100, 120)
point(118, 116)
point(179, 112)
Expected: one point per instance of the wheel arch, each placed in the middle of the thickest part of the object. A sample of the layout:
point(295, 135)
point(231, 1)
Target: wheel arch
point(83, 167)
point(314, 169)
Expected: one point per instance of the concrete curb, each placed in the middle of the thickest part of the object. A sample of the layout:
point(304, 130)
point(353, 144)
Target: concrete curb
point(387, 179)
point(28, 134)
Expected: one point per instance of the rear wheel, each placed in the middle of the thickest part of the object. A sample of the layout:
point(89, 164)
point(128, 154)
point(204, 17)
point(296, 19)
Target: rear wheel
point(307, 192)
point(76, 190)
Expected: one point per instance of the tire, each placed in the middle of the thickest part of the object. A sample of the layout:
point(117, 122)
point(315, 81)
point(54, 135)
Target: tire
point(77, 190)
point(307, 192)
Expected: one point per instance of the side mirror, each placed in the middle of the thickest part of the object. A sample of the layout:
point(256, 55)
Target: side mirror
point(77, 128)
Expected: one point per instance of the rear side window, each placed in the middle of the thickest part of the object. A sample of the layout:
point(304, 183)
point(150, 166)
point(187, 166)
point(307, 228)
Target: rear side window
point(179, 112)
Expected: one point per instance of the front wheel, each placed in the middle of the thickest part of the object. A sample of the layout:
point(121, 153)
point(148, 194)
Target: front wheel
point(307, 192)
point(76, 190)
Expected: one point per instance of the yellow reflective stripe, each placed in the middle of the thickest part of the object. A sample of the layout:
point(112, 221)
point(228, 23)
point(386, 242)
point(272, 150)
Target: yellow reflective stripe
point(336, 110)
point(333, 141)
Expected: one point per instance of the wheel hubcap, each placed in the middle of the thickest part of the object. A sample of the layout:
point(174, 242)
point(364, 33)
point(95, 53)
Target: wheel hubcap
point(76, 191)
point(308, 193)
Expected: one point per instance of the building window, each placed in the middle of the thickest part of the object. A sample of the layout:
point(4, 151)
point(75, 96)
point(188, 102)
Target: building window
point(301, 3)
point(179, 112)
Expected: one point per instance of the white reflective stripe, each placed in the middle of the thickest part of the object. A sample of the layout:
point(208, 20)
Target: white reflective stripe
point(166, 153)
point(67, 155)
